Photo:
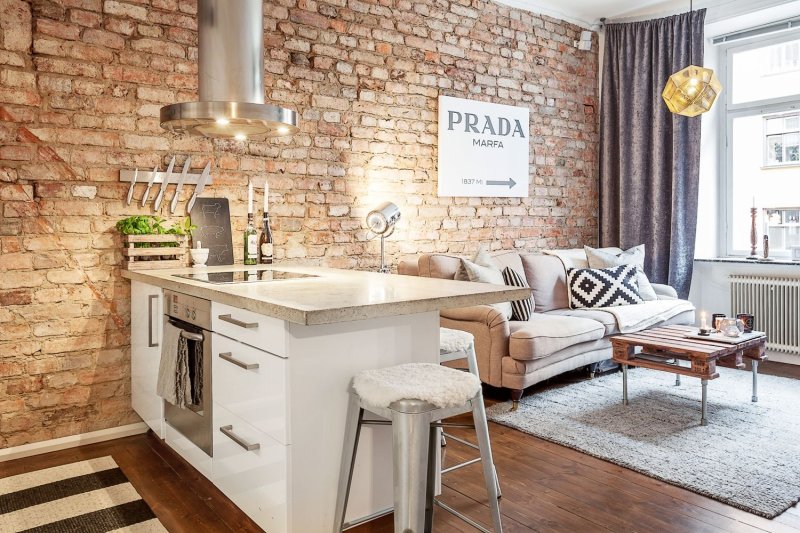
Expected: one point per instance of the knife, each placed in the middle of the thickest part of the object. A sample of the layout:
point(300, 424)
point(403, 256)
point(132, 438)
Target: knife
point(201, 183)
point(164, 184)
point(149, 185)
point(133, 182)
point(179, 186)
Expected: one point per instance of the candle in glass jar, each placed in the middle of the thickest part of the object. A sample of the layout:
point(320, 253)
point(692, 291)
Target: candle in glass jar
point(249, 197)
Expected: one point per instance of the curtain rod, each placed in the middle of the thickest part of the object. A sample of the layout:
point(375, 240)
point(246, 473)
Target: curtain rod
point(773, 27)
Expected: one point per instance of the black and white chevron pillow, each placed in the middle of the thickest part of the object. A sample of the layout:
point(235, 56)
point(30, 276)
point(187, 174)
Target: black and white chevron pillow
point(603, 287)
point(520, 309)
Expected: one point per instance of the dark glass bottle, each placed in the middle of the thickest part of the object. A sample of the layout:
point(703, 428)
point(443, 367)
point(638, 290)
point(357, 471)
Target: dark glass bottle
point(265, 242)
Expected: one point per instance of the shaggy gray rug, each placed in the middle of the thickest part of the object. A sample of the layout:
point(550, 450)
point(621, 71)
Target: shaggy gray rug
point(748, 456)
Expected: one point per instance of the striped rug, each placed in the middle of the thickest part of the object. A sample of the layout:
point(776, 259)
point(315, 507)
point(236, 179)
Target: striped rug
point(88, 497)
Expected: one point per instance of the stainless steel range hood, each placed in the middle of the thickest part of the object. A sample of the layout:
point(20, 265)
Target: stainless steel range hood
point(231, 77)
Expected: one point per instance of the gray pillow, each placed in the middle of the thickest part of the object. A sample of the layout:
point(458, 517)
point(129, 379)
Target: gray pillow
point(481, 258)
point(488, 274)
point(633, 256)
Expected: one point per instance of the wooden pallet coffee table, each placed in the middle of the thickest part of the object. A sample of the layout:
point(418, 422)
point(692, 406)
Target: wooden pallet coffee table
point(663, 348)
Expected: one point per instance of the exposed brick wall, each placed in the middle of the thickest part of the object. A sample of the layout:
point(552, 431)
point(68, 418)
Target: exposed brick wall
point(81, 84)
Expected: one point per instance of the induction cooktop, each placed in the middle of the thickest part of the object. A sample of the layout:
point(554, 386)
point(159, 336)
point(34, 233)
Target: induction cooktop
point(243, 276)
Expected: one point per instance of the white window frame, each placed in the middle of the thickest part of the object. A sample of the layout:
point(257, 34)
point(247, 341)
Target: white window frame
point(730, 111)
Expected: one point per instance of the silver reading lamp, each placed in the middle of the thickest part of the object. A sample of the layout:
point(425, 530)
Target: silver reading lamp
point(381, 221)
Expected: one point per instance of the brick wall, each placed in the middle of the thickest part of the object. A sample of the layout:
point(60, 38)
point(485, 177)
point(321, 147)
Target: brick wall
point(81, 84)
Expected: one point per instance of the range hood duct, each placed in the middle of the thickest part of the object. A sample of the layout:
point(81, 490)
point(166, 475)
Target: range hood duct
point(231, 78)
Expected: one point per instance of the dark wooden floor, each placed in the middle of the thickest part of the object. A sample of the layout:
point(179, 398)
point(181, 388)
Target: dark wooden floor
point(546, 487)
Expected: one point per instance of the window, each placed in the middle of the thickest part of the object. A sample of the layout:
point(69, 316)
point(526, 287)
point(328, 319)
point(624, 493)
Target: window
point(761, 144)
point(782, 137)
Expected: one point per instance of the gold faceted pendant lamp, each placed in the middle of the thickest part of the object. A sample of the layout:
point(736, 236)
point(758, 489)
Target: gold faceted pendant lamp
point(692, 90)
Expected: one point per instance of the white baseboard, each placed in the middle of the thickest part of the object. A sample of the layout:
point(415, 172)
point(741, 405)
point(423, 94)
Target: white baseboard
point(71, 441)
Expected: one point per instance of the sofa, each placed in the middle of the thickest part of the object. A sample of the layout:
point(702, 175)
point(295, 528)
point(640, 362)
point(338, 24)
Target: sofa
point(514, 354)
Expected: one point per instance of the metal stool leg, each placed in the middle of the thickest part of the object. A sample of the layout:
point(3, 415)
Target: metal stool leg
point(430, 491)
point(410, 438)
point(352, 432)
point(482, 431)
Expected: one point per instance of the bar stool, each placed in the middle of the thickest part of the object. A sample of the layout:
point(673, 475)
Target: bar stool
point(413, 398)
point(454, 345)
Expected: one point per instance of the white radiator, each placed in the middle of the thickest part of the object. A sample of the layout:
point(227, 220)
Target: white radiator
point(775, 303)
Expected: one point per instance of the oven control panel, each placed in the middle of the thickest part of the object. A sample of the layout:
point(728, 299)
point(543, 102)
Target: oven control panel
point(188, 308)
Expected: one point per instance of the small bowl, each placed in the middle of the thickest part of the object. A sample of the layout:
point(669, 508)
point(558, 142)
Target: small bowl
point(199, 256)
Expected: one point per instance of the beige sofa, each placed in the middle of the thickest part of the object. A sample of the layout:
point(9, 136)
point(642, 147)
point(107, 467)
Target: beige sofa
point(556, 339)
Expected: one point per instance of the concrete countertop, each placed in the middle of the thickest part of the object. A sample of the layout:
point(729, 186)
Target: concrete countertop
point(333, 295)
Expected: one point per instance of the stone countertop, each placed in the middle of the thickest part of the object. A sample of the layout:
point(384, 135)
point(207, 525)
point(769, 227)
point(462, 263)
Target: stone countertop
point(332, 295)
point(745, 261)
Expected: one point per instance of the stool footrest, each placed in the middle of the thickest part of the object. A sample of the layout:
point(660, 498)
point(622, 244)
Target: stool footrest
point(462, 441)
point(460, 465)
point(460, 516)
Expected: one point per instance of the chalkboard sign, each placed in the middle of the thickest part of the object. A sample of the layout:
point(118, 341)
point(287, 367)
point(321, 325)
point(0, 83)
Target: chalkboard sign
point(212, 216)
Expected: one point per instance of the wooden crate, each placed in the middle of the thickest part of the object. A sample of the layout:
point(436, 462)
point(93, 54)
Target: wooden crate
point(140, 258)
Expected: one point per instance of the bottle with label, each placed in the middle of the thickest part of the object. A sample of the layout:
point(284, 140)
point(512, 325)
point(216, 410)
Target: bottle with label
point(250, 242)
point(265, 242)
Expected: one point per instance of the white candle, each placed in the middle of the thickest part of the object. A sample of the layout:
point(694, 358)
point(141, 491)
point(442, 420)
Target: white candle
point(249, 197)
point(266, 196)
point(754, 202)
point(703, 321)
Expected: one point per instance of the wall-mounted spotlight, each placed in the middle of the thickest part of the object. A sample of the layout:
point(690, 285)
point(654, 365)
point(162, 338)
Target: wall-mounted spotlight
point(381, 222)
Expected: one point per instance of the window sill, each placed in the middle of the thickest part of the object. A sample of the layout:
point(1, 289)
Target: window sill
point(783, 261)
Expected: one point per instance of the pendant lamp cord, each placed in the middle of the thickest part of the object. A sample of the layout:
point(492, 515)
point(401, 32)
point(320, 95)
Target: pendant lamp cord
point(691, 37)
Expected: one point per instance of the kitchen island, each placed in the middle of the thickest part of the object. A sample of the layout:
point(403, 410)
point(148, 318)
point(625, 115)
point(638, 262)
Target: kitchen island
point(284, 351)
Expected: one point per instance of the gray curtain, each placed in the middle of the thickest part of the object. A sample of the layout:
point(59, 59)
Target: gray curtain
point(650, 158)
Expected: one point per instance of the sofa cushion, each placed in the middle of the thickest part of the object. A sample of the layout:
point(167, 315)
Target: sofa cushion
point(681, 315)
point(487, 274)
point(442, 266)
point(603, 287)
point(481, 258)
point(634, 256)
point(603, 317)
point(520, 309)
point(544, 335)
point(548, 281)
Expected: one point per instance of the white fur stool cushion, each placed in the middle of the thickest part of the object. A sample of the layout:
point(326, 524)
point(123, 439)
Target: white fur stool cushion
point(454, 340)
point(435, 384)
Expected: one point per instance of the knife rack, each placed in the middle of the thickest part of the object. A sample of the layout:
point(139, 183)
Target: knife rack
point(144, 177)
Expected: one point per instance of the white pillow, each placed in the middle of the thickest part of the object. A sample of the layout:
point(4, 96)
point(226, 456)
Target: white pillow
point(633, 256)
point(483, 274)
point(481, 258)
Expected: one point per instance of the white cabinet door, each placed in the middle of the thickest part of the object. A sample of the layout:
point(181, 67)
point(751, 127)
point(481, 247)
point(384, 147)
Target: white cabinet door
point(250, 468)
point(146, 328)
point(264, 332)
point(251, 384)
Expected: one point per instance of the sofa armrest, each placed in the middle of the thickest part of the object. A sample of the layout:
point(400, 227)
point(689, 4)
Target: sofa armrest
point(485, 314)
point(491, 331)
point(664, 292)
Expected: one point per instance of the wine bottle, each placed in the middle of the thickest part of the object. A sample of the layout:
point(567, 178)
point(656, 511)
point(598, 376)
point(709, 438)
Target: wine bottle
point(265, 242)
point(250, 242)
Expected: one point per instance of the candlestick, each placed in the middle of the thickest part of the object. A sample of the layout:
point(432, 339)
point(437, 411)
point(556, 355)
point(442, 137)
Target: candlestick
point(266, 196)
point(249, 197)
point(753, 234)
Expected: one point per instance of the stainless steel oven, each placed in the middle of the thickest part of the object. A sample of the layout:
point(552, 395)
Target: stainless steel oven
point(192, 316)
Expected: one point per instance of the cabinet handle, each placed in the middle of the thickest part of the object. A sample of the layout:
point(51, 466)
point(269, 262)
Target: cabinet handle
point(235, 322)
point(228, 432)
point(228, 356)
point(150, 327)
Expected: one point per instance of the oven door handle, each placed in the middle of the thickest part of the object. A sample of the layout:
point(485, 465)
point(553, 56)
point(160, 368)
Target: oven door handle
point(192, 336)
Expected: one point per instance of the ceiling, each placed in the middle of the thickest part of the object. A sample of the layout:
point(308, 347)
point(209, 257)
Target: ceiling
point(587, 13)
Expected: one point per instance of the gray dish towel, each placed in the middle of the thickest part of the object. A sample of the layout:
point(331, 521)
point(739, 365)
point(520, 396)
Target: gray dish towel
point(173, 371)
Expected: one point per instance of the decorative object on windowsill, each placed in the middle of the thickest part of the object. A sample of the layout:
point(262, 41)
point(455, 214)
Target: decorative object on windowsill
point(381, 222)
point(149, 244)
point(766, 249)
point(753, 232)
point(692, 90)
